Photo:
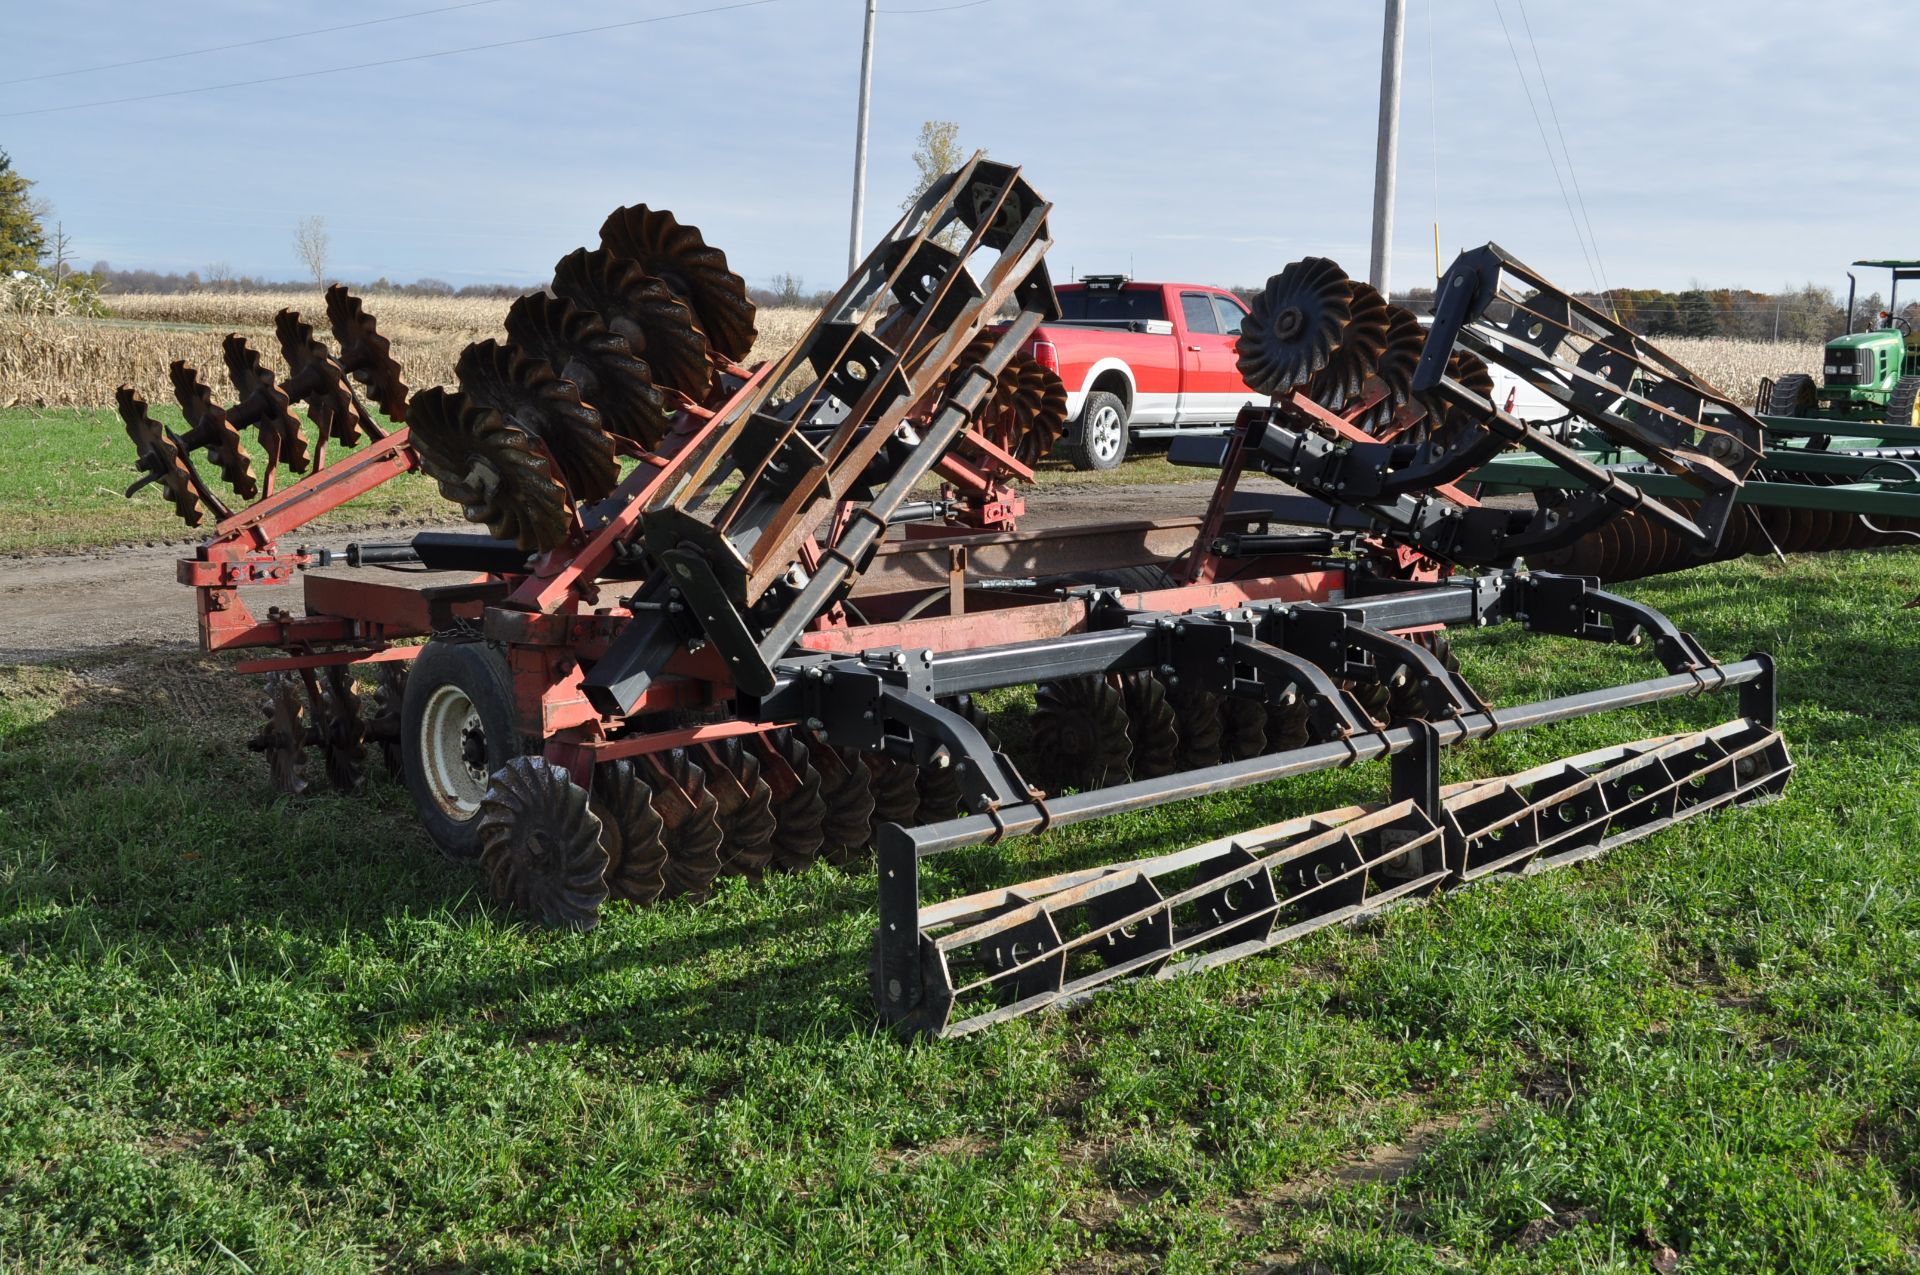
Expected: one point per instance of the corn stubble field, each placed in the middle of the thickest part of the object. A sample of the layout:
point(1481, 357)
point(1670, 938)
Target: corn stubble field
point(69, 362)
point(72, 362)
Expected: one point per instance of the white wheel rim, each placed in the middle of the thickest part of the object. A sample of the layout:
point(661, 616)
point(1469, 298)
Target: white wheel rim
point(448, 726)
point(1103, 433)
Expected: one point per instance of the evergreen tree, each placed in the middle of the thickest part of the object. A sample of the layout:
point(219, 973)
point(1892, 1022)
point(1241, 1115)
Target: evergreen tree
point(22, 241)
point(1697, 317)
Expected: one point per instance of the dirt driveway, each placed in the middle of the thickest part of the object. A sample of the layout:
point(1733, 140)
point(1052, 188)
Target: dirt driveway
point(55, 606)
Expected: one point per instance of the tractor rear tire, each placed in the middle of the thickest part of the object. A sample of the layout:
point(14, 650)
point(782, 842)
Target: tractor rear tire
point(456, 729)
point(1793, 395)
point(1903, 404)
point(1100, 440)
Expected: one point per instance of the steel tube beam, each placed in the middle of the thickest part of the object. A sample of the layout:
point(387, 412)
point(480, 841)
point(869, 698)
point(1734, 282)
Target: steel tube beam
point(972, 830)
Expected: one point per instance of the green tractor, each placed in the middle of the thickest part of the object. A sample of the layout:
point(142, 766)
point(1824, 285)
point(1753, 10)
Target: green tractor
point(1872, 375)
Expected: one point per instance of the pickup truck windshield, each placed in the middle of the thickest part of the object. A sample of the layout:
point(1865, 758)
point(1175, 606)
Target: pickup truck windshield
point(1130, 305)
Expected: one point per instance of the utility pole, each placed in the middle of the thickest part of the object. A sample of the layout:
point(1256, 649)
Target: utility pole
point(1386, 155)
point(860, 141)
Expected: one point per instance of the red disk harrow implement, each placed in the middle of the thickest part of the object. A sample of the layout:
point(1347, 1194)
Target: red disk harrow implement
point(737, 619)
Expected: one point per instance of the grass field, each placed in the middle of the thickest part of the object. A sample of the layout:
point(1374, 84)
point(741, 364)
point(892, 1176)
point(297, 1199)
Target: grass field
point(65, 470)
point(244, 1034)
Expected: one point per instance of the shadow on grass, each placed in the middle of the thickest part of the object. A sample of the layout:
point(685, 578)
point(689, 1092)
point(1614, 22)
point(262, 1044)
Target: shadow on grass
point(139, 829)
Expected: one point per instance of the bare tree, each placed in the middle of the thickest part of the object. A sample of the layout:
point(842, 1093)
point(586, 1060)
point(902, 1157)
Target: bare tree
point(310, 243)
point(59, 251)
point(936, 154)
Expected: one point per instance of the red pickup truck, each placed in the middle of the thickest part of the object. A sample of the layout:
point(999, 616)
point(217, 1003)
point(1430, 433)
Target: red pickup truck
point(1142, 360)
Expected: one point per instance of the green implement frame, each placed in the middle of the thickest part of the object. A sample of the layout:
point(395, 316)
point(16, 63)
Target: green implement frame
point(1873, 469)
point(1813, 490)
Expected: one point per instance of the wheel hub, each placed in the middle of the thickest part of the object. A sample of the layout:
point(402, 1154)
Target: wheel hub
point(453, 752)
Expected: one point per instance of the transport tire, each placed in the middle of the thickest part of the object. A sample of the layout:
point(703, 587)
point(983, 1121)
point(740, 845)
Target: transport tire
point(1101, 440)
point(1793, 395)
point(456, 730)
point(1141, 579)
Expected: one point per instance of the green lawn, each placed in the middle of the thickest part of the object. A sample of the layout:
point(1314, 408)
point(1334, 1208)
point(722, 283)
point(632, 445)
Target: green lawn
point(64, 472)
point(247, 1034)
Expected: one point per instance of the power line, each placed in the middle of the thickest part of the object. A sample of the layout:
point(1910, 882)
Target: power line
point(247, 44)
point(1552, 160)
point(416, 57)
point(1547, 90)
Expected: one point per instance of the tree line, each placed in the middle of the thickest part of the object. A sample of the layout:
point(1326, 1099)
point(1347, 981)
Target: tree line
point(1806, 313)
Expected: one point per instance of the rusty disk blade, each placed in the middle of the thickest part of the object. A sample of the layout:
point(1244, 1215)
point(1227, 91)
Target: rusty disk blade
point(1287, 723)
point(283, 738)
point(1243, 728)
point(341, 731)
point(1645, 542)
point(383, 725)
point(799, 811)
point(1042, 386)
point(317, 380)
point(1295, 325)
point(1356, 356)
point(896, 791)
point(688, 811)
point(998, 416)
point(1197, 720)
point(156, 456)
point(1079, 734)
point(1395, 367)
point(540, 845)
point(1609, 550)
point(657, 325)
point(498, 473)
point(744, 807)
point(846, 789)
point(526, 391)
point(630, 832)
point(577, 344)
point(1448, 418)
point(1152, 726)
point(366, 354)
point(266, 404)
point(695, 270)
point(209, 428)
point(1579, 558)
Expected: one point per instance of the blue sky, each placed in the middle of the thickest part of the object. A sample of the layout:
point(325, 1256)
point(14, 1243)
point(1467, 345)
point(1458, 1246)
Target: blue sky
point(1210, 140)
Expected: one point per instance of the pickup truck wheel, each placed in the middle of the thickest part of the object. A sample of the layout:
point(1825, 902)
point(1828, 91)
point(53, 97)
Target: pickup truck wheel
point(1101, 440)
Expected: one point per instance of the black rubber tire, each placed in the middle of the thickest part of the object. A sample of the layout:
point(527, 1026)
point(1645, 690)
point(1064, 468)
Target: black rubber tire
point(479, 671)
point(1902, 401)
point(1097, 417)
point(1141, 579)
point(1793, 395)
